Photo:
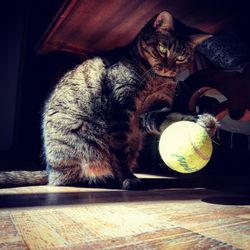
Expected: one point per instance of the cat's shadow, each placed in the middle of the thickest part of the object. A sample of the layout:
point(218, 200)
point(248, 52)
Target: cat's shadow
point(152, 190)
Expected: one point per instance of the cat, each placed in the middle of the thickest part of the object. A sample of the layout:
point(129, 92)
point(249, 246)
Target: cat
point(96, 118)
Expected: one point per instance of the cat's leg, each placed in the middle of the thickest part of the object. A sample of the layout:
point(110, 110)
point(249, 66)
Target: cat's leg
point(209, 122)
point(63, 165)
point(135, 141)
point(97, 166)
point(76, 150)
point(120, 149)
point(124, 83)
point(156, 121)
point(63, 175)
point(92, 155)
point(92, 165)
point(125, 177)
point(80, 153)
point(120, 164)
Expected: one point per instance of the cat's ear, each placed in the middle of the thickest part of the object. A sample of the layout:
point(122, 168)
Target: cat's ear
point(199, 38)
point(164, 21)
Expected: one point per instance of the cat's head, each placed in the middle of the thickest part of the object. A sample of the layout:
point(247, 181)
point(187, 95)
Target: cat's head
point(166, 48)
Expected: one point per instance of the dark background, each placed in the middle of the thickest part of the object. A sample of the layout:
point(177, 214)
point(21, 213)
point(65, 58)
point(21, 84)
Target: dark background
point(25, 80)
point(27, 77)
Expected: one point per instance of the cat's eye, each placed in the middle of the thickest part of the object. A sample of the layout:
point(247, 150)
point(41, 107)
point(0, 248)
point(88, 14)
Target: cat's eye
point(163, 49)
point(181, 58)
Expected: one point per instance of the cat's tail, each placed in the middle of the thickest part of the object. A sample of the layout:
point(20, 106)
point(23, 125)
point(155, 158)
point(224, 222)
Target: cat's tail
point(23, 178)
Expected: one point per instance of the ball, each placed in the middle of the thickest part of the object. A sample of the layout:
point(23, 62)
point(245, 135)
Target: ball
point(185, 147)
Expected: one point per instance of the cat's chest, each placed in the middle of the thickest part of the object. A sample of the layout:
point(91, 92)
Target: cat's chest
point(157, 90)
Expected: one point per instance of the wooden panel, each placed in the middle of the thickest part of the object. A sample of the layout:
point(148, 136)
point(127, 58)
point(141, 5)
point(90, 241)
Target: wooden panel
point(85, 26)
point(163, 218)
point(10, 237)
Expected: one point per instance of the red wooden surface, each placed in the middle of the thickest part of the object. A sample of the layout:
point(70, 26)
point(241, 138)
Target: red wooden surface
point(84, 26)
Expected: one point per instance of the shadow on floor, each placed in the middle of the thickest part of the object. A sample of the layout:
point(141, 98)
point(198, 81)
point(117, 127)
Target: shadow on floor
point(153, 189)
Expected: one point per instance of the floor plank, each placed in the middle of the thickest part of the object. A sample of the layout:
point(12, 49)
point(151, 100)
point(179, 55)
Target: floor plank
point(170, 217)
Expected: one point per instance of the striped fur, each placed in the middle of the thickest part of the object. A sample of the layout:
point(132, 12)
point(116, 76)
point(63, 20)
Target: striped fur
point(96, 118)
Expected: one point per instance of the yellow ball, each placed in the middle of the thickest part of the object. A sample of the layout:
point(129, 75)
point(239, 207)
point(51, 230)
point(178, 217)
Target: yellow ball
point(185, 147)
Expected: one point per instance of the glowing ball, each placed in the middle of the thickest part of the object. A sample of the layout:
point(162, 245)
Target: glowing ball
point(185, 147)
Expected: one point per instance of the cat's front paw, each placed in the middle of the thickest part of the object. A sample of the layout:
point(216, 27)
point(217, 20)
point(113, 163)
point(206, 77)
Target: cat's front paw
point(131, 184)
point(209, 122)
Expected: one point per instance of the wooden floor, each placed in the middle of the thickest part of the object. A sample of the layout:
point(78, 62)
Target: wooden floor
point(167, 215)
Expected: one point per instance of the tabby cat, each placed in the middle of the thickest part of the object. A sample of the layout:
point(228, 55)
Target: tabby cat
point(95, 120)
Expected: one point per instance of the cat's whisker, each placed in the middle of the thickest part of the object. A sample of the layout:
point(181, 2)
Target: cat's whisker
point(145, 74)
point(149, 72)
point(215, 142)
